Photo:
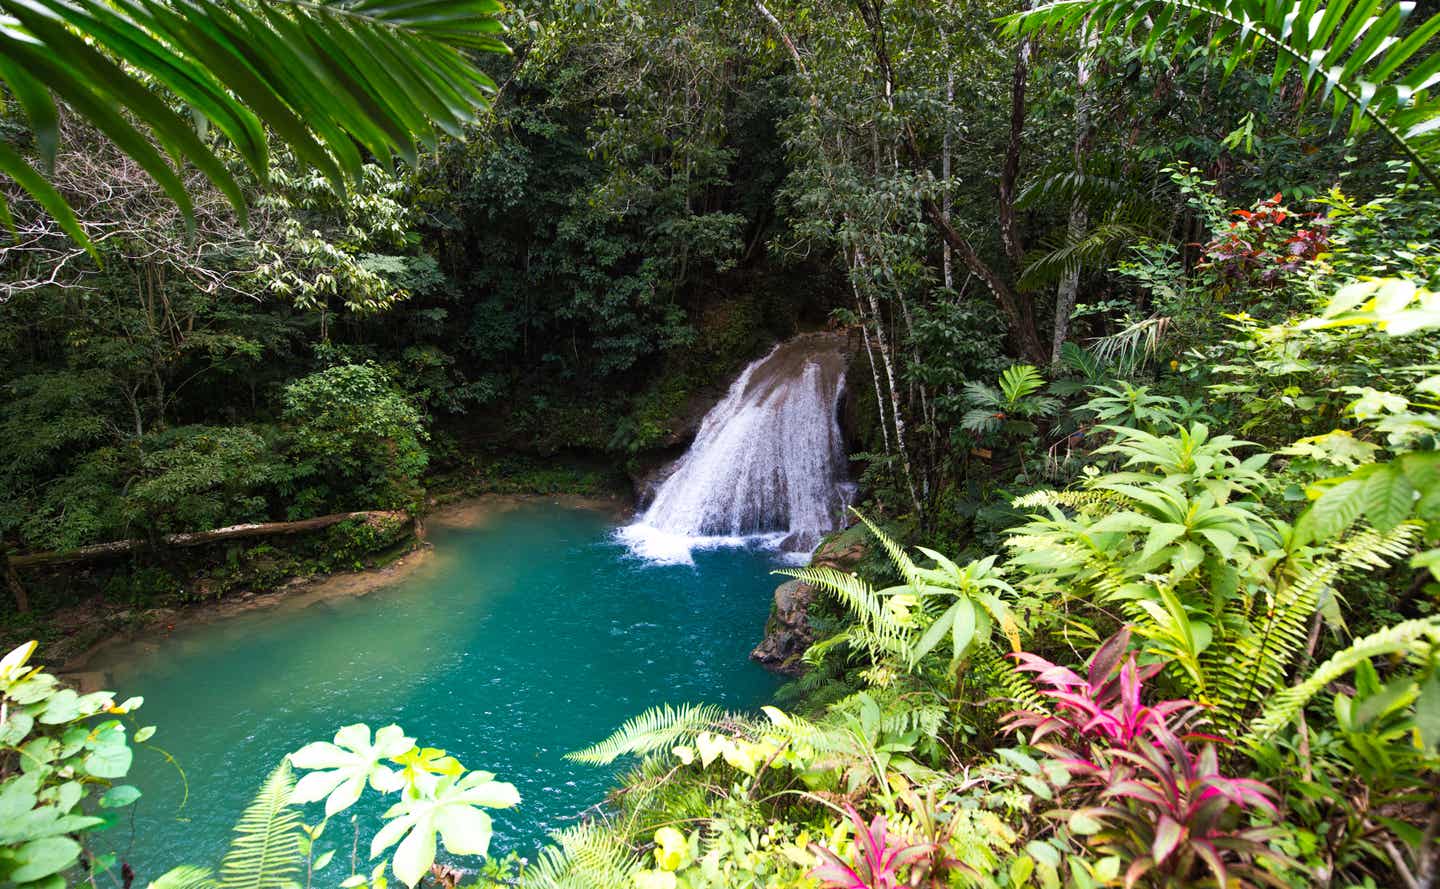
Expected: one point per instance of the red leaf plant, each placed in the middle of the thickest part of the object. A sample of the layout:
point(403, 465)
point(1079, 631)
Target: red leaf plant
point(1138, 786)
point(1260, 248)
point(879, 856)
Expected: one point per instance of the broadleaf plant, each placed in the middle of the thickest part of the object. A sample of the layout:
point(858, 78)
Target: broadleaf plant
point(439, 799)
point(62, 755)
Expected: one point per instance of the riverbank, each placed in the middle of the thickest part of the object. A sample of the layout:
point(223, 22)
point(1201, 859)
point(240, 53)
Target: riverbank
point(86, 638)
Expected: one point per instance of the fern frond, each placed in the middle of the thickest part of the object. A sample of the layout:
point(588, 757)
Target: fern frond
point(925, 719)
point(1369, 548)
point(186, 876)
point(266, 852)
point(1015, 683)
point(903, 563)
point(587, 856)
point(1418, 637)
point(1246, 666)
point(822, 737)
point(1075, 498)
point(656, 729)
point(877, 631)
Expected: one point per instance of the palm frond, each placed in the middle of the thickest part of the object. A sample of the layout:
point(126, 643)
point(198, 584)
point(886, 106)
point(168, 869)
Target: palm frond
point(331, 80)
point(1103, 182)
point(1364, 56)
point(658, 728)
point(1132, 347)
point(266, 852)
point(1094, 248)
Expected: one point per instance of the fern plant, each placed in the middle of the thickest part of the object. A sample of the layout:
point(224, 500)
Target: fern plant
point(908, 621)
point(1180, 545)
point(587, 856)
point(1012, 405)
point(268, 851)
point(1418, 639)
point(659, 728)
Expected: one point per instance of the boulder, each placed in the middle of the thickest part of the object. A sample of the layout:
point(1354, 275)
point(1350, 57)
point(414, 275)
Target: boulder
point(844, 550)
point(787, 633)
point(648, 474)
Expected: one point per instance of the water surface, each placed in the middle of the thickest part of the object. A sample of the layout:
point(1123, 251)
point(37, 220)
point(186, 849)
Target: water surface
point(525, 637)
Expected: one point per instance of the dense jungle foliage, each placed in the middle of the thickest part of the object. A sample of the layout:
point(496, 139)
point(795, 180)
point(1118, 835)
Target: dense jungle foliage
point(1143, 297)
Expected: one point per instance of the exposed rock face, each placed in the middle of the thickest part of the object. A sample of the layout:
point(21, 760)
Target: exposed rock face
point(648, 479)
point(843, 551)
point(787, 632)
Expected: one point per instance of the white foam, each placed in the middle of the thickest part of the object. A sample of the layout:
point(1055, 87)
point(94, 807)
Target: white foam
point(659, 547)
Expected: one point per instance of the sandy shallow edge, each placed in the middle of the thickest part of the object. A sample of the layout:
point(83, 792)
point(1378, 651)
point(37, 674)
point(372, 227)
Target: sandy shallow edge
point(90, 669)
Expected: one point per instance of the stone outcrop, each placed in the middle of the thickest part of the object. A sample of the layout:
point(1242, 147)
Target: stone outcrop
point(787, 632)
point(843, 551)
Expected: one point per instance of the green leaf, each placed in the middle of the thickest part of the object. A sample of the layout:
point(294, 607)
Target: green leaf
point(1083, 824)
point(452, 814)
point(932, 635)
point(1388, 497)
point(1427, 710)
point(41, 858)
point(1161, 535)
point(343, 768)
point(119, 796)
point(962, 629)
point(45, 195)
point(1335, 509)
point(109, 760)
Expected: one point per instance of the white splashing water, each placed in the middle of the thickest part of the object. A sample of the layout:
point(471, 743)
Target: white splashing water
point(767, 466)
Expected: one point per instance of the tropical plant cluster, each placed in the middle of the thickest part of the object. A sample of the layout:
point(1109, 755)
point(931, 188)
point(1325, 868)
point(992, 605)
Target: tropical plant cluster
point(1144, 302)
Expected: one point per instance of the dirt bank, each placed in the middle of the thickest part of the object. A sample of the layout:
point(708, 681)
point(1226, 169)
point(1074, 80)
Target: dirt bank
point(101, 634)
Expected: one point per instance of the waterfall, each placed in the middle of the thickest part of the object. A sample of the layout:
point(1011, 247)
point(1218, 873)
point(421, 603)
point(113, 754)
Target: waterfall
point(768, 465)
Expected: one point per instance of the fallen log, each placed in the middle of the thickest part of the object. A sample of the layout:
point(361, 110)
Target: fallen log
point(197, 538)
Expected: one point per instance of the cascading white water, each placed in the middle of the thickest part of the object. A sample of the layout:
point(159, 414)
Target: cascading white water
point(768, 464)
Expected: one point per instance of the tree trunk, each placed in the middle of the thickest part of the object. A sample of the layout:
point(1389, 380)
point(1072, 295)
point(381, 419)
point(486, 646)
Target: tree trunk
point(12, 580)
point(894, 392)
point(195, 538)
point(1069, 288)
point(784, 38)
point(946, 259)
point(1010, 168)
point(1018, 308)
point(874, 367)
